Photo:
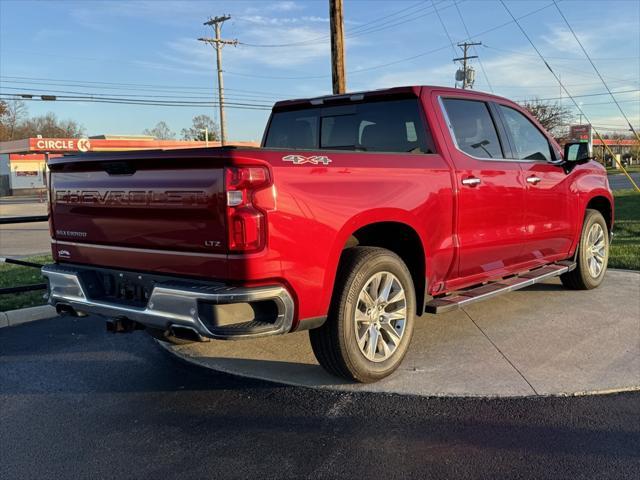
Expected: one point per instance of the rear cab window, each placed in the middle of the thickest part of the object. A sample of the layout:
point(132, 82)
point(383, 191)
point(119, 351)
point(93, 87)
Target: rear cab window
point(394, 126)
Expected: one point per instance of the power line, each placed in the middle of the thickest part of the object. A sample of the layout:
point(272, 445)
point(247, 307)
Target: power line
point(584, 94)
point(564, 67)
point(366, 28)
point(561, 84)
point(108, 95)
point(444, 27)
point(143, 89)
point(515, 52)
point(171, 89)
point(125, 101)
point(394, 23)
point(428, 52)
point(139, 95)
point(180, 87)
point(265, 104)
point(135, 99)
point(596, 69)
point(326, 37)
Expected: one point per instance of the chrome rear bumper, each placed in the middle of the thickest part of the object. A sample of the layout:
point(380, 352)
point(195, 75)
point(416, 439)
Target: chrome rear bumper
point(174, 303)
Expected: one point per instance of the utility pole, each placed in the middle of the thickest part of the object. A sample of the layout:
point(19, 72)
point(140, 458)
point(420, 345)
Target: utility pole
point(338, 76)
point(218, 43)
point(467, 74)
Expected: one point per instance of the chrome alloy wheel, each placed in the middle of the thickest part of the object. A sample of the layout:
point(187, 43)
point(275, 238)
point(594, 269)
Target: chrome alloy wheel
point(380, 316)
point(596, 253)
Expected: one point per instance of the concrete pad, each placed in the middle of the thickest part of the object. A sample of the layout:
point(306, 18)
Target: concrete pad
point(542, 340)
point(574, 341)
point(12, 318)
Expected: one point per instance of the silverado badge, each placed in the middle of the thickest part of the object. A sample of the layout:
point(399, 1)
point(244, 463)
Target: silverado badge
point(301, 159)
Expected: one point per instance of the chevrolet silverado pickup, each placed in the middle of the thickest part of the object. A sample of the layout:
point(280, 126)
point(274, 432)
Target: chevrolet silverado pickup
point(359, 214)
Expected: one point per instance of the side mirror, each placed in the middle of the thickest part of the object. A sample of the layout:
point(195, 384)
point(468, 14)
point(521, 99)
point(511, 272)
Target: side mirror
point(577, 152)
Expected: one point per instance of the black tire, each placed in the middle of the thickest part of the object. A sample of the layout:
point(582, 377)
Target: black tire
point(582, 278)
point(335, 343)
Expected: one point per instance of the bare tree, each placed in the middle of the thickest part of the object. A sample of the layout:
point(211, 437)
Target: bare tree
point(48, 125)
point(555, 118)
point(197, 129)
point(12, 114)
point(161, 131)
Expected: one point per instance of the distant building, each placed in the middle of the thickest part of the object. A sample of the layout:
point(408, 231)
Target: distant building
point(628, 149)
point(23, 163)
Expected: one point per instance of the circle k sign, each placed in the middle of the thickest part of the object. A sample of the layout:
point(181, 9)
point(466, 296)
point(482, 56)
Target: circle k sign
point(84, 145)
point(60, 144)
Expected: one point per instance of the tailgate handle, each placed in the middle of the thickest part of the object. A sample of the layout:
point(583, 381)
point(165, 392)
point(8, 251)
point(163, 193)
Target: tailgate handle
point(119, 168)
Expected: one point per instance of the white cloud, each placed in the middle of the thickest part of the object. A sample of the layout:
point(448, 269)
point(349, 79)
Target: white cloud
point(519, 76)
point(187, 51)
point(263, 20)
point(284, 6)
point(562, 40)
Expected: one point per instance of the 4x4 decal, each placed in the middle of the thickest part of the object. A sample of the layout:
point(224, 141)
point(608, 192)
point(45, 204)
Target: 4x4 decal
point(301, 159)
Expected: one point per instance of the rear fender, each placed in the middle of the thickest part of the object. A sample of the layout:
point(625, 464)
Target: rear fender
point(363, 219)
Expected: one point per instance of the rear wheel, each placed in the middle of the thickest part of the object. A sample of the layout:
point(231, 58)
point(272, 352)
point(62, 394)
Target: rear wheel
point(593, 254)
point(370, 322)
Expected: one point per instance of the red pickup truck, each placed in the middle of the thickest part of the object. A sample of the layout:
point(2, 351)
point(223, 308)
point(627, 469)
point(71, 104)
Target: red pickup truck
point(358, 213)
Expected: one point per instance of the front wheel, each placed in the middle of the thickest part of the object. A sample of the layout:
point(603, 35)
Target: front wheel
point(593, 254)
point(370, 322)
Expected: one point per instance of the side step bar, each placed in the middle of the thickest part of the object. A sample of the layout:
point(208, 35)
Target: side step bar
point(491, 289)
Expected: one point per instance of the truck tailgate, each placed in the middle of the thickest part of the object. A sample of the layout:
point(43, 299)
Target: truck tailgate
point(162, 203)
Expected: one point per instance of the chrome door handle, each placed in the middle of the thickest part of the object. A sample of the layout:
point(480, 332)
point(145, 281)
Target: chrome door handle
point(534, 180)
point(472, 182)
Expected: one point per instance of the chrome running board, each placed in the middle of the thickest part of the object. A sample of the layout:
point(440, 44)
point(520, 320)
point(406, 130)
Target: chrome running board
point(491, 289)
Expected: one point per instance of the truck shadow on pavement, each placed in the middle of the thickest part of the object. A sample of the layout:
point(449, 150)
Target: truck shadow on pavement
point(76, 355)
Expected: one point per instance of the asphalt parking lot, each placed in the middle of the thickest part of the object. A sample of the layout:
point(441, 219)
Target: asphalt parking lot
point(77, 402)
point(620, 181)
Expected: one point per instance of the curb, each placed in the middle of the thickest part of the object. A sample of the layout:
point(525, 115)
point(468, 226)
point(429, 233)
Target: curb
point(12, 318)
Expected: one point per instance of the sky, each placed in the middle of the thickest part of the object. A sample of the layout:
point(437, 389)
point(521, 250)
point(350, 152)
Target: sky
point(149, 50)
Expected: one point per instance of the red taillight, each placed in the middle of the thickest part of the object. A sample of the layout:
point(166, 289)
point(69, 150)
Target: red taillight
point(246, 222)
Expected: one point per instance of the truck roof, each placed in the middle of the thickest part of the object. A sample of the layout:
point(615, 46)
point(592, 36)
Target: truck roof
point(397, 92)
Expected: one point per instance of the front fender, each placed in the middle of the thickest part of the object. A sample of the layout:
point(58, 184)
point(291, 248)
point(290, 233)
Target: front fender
point(589, 182)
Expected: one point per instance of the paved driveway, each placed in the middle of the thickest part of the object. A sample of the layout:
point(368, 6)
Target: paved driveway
point(620, 181)
point(23, 239)
point(76, 402)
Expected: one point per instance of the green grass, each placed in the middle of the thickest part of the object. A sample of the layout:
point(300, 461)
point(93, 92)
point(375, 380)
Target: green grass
point(16, 275)
point(625, 248)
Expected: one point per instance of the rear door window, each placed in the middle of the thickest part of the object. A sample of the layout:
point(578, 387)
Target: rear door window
point(529, 142)
point(473, 128)
point(295, 130)
point(388, 126)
